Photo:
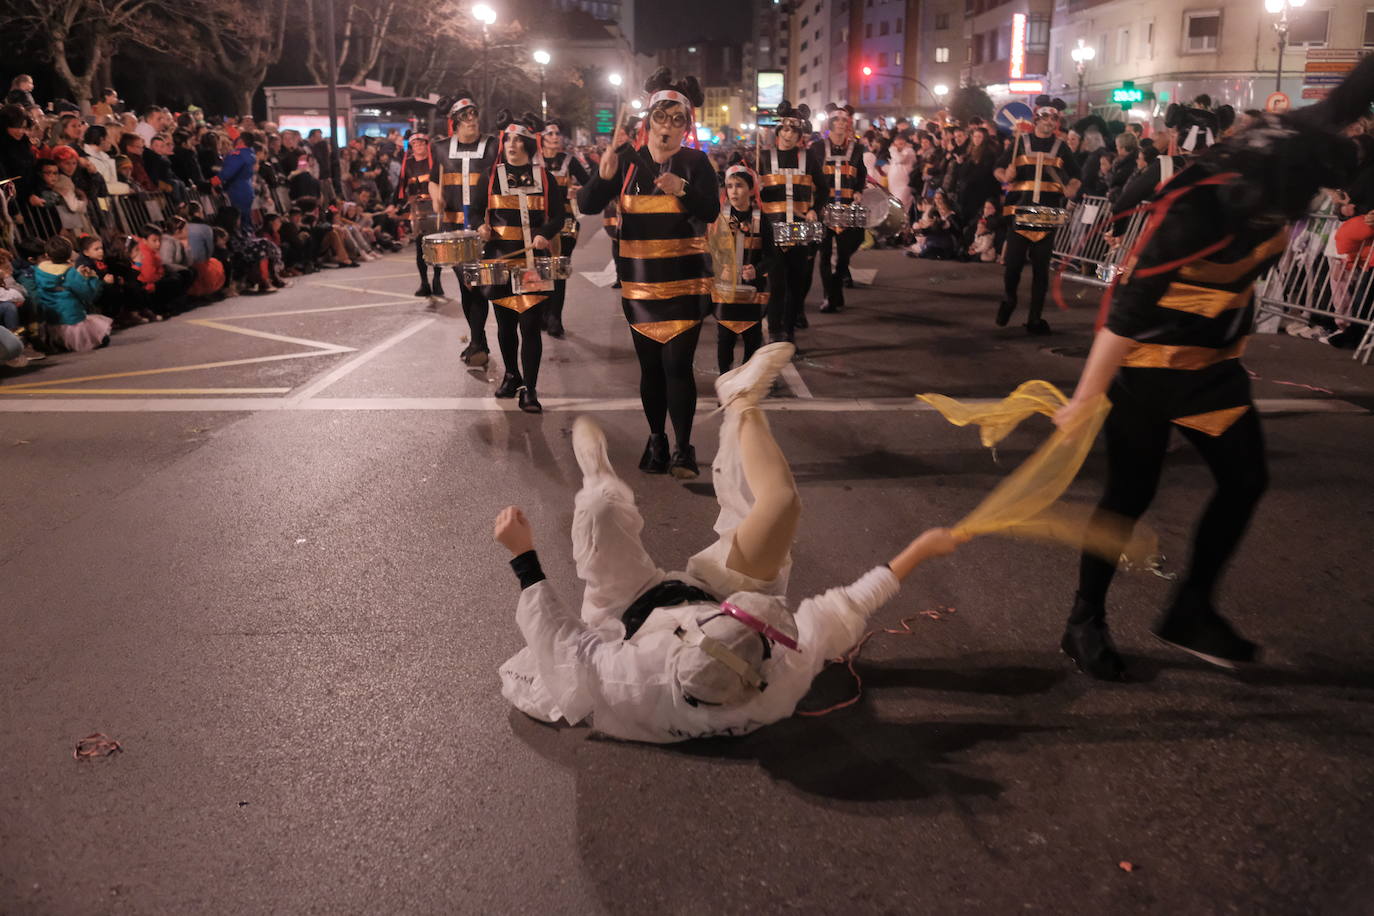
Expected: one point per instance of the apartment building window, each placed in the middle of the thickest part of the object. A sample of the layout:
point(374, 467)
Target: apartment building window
point(898, 29)
point(1307, 28)
point(806, 20)
point(1123, 45)
point(882, 59)
point(1147, 39)
point(816, 61)
point(816, 86)
point(1037, 34)
point(803, 93)
point(805, 45)
point(942, 20)
point(883, 27)
point(942, 55)
point(868, 28)
point(803, 70)
point(976, 49)
point(897, 58)
point(817, 36)
point(1369, 28)
point(991, 44)
point(1201, 31)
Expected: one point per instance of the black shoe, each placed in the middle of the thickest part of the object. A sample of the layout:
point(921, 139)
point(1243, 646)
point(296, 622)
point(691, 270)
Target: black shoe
point(475, 355)
point(509, 387)
point(555, 329)
point(1087, 642)
point(848, 282)
point(1197, 628)
point(1004, 310)
point(801, 321)
point(424, 290)
point(615, 285)
point(827, 308)
point(437, 286)
point(1038, 328)
point(655, 457)
point(529, 401)
point(684, 464)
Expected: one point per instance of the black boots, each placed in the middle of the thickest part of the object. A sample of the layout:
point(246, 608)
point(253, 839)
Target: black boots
point(1193, 625)
point(511, 383)
point(1088, 643)
point(424, 289)
point(1004, 310)
point(529, 401)
point(437, 284)
point(655, 457)
point(684, 464)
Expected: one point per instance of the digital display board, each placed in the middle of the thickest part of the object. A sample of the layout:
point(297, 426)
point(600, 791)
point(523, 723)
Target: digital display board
point(603, 117)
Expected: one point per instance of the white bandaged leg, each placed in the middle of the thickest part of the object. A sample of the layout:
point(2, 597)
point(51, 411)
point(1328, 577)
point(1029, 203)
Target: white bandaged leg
point(610, 557)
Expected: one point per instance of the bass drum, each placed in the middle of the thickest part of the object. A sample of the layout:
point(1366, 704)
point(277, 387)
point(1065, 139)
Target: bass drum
point(886, 215)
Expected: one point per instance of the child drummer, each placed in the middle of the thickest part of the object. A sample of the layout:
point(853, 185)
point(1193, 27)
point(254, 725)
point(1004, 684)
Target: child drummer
point(740, 294)
point(517, 213)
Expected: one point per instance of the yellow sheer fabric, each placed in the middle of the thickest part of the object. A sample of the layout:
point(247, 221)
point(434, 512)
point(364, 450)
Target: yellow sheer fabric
point(1025, 503)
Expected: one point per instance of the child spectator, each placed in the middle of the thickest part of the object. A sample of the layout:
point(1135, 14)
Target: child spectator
point(16, 311)
point(986, 245)
point(122, 294)
point(64, 294)
point(163, 289)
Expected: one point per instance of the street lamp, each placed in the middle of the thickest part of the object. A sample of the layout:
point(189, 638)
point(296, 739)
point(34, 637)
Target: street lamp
point(541, 57)
point(1081, 56)
point(1281, 8)
point(940, 91)
point(487, 16)
point(615, 79)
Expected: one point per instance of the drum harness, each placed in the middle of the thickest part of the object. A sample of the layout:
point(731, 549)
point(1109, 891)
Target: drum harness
point(523, 193)
point(836, 161)
point(1040, 165)
point(788, 175)
point(466, 156)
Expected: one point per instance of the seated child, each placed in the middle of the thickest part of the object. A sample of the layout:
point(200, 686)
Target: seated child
point(64, 294)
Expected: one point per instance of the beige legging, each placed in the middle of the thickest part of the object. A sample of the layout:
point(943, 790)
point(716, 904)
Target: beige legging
point(764, 539)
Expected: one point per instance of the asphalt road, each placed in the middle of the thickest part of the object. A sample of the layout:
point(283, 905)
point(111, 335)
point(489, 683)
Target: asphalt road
point(271, 579)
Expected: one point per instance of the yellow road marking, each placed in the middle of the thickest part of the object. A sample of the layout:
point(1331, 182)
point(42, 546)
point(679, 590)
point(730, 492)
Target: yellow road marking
point(155, 391)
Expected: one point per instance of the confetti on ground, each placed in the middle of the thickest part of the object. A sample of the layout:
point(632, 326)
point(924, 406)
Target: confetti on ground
point(95, 745)
point(1126, 866)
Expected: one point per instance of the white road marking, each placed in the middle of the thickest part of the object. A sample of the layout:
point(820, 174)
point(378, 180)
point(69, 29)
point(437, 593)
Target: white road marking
point(490, 404)
point(794, 381)
point(366, 290)
point(340, 371)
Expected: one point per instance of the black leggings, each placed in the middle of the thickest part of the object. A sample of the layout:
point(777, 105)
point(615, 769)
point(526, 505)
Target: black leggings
point(425, 268)
point(667, 383)
point(475, 311)
point(1137, 440)
point(553, 306)
point(1019, 249)
point(788, 282)
point(725, 344)
point(844, 243)
point(521, 334)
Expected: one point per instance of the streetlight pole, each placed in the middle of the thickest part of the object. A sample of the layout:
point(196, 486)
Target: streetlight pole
point(615, 79)
point(1081, 56)
point(485, 15)
point(936, 94)
point(542, 58)
point(1281, 8)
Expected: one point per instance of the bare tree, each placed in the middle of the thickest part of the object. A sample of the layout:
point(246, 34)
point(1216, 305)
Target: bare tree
point(243, 38)
point(80, 36)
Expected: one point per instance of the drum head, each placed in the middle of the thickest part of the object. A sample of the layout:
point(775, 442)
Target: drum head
point(876, 202)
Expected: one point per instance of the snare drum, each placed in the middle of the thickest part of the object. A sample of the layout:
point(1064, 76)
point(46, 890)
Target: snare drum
point(788, 235)
point(423, 224)
point(1031, 216)
point(530, 279)
point(450, 249)
point(886, 215)
point(845, 216)
point(486, 273)
point(556, 267)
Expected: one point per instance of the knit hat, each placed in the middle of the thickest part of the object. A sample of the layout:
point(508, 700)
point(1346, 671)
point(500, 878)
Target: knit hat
point(63, 153)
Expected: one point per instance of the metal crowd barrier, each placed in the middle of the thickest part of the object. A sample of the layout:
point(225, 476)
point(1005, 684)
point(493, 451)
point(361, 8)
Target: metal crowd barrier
point(1312, 279)
point(120, 213)
point(1091, 248)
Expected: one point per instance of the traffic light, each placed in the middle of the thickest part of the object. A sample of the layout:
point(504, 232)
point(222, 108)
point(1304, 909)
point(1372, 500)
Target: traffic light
point(867, 70)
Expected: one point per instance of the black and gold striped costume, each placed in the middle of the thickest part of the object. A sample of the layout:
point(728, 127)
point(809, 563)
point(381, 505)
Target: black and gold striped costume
point(781, 172)
point(845, 177)
point(463, 170)
point(1039, 179)
point(740, 304)
point(413, 193)
point(519, 203)
point(1188, 325)
point(570, 174)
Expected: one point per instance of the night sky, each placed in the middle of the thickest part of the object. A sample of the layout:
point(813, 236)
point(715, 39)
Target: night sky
point(667, 23)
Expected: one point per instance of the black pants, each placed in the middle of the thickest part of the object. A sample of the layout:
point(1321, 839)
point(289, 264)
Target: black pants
point(520, 335)
point(788, 283)
point(725, 344)
point(1137, 439)
point(1019, 248)
point(667, 383)
point(844, 243)
point(553, 315)
point(425, 268)
point(475, 309)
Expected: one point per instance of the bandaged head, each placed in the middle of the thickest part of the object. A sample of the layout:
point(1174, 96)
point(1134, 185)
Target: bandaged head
point(723, 660)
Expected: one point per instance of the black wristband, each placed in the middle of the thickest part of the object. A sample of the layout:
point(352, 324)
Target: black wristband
point(527, 568)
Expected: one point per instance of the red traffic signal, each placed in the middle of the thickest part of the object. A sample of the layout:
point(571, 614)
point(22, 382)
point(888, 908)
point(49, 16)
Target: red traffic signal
point(868, 71)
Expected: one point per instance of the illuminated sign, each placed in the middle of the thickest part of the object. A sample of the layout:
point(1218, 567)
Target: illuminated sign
point(1128, 94)
point(1017, 87)
point(768, 87)
point(1018, 45)
point(603, 116)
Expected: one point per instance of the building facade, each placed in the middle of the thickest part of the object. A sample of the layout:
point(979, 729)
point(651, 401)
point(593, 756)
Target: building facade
point(995, 55)
point(621, 12)
point(1225, 48)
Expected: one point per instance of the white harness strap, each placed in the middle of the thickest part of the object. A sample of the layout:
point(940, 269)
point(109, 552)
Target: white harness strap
point(836, 161)
point(467, 156)
point(523, 193)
